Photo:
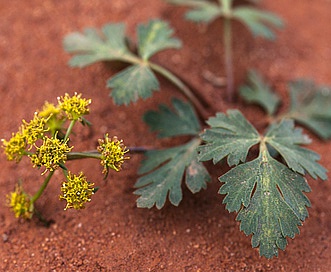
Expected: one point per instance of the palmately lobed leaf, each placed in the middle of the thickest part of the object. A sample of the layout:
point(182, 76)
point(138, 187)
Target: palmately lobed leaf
point(230, 135)
point(137, 81)
point(270, 200)
point(110, 44)
point(285, 138)
point(154, 37)
point(182, 120)
point(311, 106)
point(93, 45)
point(259, 92)
point(164, 171)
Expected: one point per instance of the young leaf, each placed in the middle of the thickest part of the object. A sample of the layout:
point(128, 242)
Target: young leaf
point(180, 121)
point(154, 37)
point(270, 199)
point(203, 11)
point(230, 135)
point(286, 139)
point(136, 81)
point(206, 14)
point(258, 21)
point(164, 171)
point(311, 106)
point(93, 46)
point(259, 92)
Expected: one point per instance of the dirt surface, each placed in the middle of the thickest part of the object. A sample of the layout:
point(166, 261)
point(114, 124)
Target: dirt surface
point(111, 234)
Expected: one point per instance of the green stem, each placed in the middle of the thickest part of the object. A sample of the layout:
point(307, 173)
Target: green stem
point(228, 58)
point(94, 154)
point(42, 187)
point(182, 87)
point(71, 125)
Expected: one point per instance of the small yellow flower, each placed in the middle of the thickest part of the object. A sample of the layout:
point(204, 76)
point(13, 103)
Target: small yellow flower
point(76, 190)
point(112, 153)
point(19, 202)
point(15, 147)
point(35, 129)
point(74, 107)
point(51, 153)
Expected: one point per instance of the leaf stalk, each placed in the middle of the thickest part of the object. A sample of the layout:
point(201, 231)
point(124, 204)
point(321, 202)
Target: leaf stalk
point(228, 61)
point(182, 87)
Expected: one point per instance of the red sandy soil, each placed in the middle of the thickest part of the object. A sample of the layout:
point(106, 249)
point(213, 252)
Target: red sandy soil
point(112, 234)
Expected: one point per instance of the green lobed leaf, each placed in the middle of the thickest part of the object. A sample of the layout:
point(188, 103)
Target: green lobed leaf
point(154, 37)
point(206, 14)
point(286, 139)
point(258, 21)
point(230, 135)
point(180, 121)
point(164, 171)
point(259, 92)
point(270, 200)
point(93, 45)
point(311, 106)
point(136, 81)
point(203, 11)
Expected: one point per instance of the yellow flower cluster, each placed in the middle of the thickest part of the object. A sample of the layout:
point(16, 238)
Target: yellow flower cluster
point(28, 134)
point(51, 153)
point(49, 119)
point(76, 190)
point(19, 203)
point(34, 129)
point(112, 153)
point(15, 147)
point(74, 107)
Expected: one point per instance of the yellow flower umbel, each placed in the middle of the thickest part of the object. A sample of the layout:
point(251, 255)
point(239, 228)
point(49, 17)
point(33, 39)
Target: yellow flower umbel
point(49, 110)
point(112, 153)
point(76, 190)
point(34, 130)
point(19, 202)
point(15, 147)
point(74, 107)
point(54, 117)
point(51, 153)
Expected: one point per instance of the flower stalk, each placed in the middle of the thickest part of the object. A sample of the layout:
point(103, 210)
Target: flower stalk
point(42, 188)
